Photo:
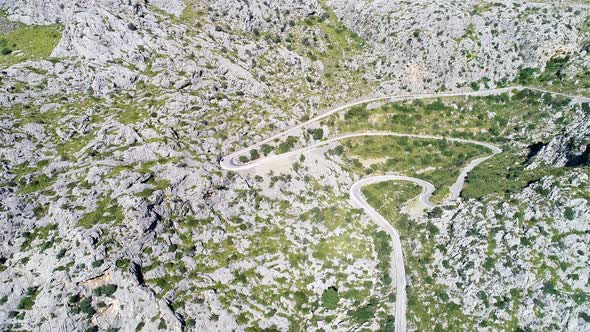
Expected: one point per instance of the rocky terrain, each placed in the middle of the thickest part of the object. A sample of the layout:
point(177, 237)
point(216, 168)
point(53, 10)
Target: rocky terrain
point(449, 45)
point(116, 215)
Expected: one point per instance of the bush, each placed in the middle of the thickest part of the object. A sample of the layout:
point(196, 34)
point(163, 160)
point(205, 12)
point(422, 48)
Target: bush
point(436, 106)
point(74, 299)
point(437, 212)
point(61, 253)
point(139, 326)
point(553, 69)
point(549, 288)
point(122, 263)
point(106, 290)
point(254, 154)
point(317, 133)
point(526, 75)
point(580, 297)
point(27, 302)
point(316, 215)
point(85, 307)
point(330, 298)
point(569, 213)
point(365, 313)
point(358, 112)
point(266, 149)
point(388, 324)
point(287, 145)
point(339, 150)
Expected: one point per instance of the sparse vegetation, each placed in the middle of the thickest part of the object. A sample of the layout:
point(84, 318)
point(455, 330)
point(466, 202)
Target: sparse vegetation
point(106, 212)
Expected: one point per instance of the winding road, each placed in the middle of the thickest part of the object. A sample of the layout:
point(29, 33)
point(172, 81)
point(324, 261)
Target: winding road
point(397, 265)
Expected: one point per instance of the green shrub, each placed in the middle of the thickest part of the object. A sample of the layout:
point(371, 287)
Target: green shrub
point(27, 302)
point(317, 133)
point(569, 213)
point(122, 263)
point(436, 106)
point(553, 69)
point(330, 298)
point(105, 290)
point(549, 288)
point(139, 326)
point(287, 145)
point(358, 112)
point(388, 324)
point(266, 149)
point(366, 312)
point(437, 212)
point(39, 211)
point(74, 299)
point(489, 264)
point(526, 75)
point(254, 154)
point(86, 308)
point(580, 297)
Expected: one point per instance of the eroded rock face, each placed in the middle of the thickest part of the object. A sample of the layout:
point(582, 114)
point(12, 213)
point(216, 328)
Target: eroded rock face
point(570, 148)
point(493, 253)
point(266, 15)
point(443, 45)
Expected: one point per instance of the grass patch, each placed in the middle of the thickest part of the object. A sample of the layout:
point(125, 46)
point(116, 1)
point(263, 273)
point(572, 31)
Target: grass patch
point(106, 212)
point(28, 43)
point(436, 161)
point(35, 184)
